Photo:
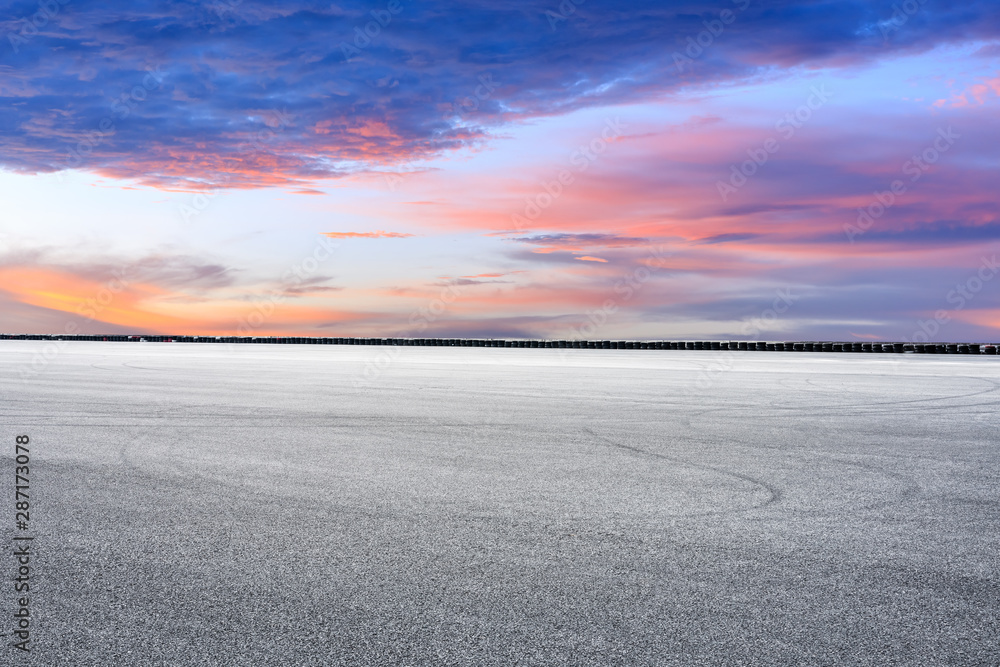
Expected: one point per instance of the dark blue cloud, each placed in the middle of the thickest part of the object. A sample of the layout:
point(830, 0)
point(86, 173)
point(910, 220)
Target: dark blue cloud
point(939, 232)
point(581, 240)
point(727, 238)
point(257, 93)
point(936, 233)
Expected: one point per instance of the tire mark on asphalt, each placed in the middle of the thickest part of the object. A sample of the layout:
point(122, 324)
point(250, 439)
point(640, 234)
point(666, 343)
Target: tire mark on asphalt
point(774, 492)
point(143, 368)
point(883, 404)
point(910, 488)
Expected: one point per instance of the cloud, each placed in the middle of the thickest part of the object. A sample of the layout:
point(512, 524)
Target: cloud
point(587, 258)
point(185, 95)
point(477, 279)
point(989, 50)
point(168, 269)
point(309, 291)
point(980, 92)
point(312, 286)
point(577, 242)
point(462, 282)
point(936, 233)
point(367, 235)
point(727, 238)
point(493, 275)
point(79, 290)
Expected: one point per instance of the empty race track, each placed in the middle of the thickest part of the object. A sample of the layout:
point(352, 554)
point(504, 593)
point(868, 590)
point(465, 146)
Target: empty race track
point(303, 505)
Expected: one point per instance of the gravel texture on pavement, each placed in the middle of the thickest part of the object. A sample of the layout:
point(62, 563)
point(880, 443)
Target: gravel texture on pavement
point(304, 505)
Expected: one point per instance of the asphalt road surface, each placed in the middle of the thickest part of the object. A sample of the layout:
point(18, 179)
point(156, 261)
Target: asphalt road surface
point(306, 505)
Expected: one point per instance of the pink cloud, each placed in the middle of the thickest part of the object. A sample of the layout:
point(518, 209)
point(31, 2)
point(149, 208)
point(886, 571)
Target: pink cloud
point(367, 235)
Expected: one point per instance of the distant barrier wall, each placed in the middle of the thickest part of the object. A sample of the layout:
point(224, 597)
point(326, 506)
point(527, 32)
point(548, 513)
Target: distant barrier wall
point(748, 346)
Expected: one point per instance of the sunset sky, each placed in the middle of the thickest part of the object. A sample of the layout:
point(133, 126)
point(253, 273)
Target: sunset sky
point(671, 170)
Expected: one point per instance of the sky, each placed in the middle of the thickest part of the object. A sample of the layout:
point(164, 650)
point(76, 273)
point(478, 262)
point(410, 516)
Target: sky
point(723, 170)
